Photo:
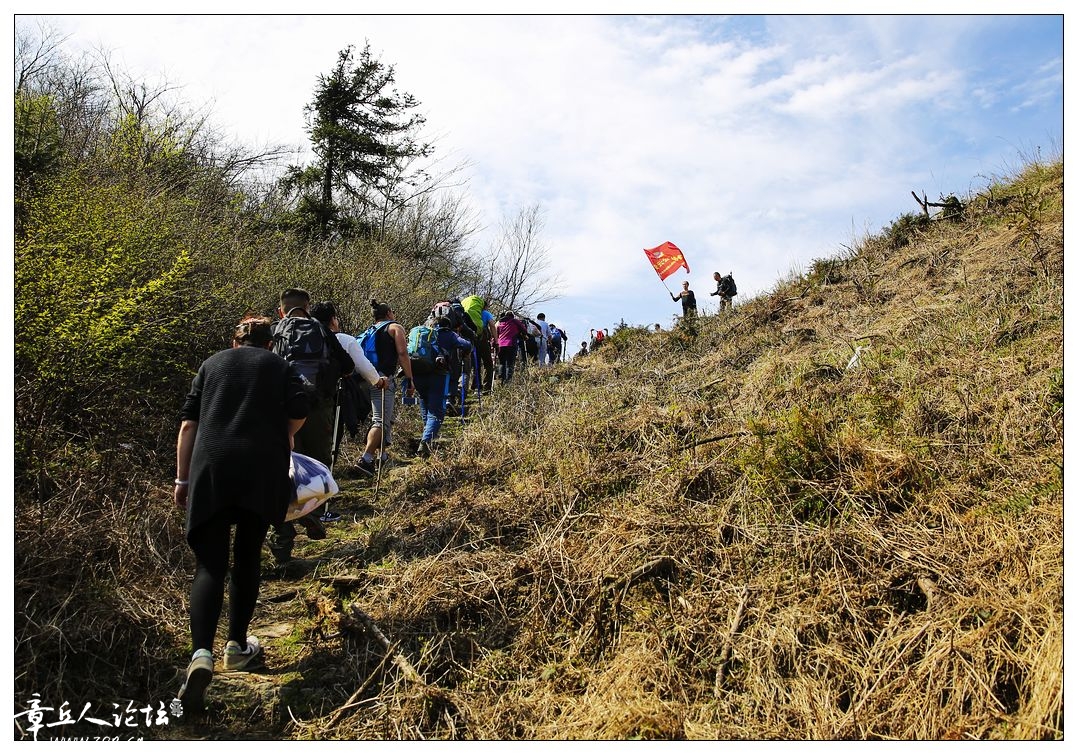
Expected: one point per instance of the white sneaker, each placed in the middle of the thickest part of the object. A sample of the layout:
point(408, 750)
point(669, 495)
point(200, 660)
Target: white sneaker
point(199, 673)
point(241, 659)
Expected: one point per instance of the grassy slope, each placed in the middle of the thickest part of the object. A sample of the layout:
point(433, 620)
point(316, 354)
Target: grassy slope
point(733, 535)
point(727, 535)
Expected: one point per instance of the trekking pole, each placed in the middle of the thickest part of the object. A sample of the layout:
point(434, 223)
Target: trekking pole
point(381, 443)
point(463, 398)
point(478, 380)
point(336, 427)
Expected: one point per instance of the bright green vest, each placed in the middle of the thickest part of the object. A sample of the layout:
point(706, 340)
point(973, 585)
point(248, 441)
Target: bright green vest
point(473, 305)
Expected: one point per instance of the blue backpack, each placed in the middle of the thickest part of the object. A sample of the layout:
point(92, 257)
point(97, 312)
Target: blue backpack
point(423, 349)
point(367, 341)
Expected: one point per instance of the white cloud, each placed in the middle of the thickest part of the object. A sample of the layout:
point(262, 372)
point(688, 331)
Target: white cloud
point(752, 143)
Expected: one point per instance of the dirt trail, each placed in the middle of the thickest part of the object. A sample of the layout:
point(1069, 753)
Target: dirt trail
point(312, 666)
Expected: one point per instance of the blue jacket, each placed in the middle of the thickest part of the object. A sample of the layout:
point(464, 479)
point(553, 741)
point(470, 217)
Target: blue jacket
point(451, 346)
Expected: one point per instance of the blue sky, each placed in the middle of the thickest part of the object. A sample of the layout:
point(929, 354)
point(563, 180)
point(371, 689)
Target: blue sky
point(754, 143)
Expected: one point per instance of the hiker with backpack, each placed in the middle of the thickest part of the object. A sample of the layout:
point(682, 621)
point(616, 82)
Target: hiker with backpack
point(725, 289)
point(431, 351)
point(510, 331)
point(233, 453)
point(462, 323)
point(557, 343)
point(353, 395)
point(481, 317)
point(530, 345)
point(543, 339)
point(385, 344)
point(320, 360)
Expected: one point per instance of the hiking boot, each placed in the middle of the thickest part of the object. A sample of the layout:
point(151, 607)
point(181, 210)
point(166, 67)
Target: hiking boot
point(314, 528)
point(424, 450)
point(281, 555)
point(330, 517)
point(199, 673)
point(365, 468)
point(237, 659)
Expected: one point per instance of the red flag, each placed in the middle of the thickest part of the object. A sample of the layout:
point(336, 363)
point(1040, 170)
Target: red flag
point(666, 259)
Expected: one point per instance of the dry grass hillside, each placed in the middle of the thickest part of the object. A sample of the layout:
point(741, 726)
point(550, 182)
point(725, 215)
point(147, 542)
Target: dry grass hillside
point(740, 532)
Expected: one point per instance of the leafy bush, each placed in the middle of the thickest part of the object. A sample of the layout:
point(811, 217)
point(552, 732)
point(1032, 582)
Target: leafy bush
point(902, 231)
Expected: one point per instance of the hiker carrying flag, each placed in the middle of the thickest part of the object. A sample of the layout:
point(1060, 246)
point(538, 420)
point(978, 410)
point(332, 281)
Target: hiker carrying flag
point(667, 259)
point(688, 300)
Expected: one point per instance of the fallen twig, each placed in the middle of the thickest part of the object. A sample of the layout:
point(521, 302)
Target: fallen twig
point(619, 586)
point(727, 647)
point(661, 564)
point(345, 581)
point(401, 662)
point(351, 701)
point(728, 436)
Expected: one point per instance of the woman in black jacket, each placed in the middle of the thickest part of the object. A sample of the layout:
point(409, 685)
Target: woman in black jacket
point(232, 462)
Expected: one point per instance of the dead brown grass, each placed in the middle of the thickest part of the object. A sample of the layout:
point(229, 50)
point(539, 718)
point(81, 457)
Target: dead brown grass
point(733, 535)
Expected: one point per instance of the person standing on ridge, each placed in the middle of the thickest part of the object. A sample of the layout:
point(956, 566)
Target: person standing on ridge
point(688, 301)
point(233, 455)
point(557, 343)
point(543, 338)
point(725, 289)
point(530, 343)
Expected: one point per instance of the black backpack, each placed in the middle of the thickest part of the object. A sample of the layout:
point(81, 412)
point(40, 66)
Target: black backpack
point(355, 402)
point(454, 312)
point(467, 329)
point(729, 287)
point(301, 341)
point(443, 309)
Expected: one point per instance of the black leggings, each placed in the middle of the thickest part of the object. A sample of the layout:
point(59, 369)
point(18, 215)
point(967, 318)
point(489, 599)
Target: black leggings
point(507, 357)
point(210, 543)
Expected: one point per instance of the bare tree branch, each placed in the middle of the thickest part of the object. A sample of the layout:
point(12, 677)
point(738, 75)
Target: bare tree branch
point(520, 274)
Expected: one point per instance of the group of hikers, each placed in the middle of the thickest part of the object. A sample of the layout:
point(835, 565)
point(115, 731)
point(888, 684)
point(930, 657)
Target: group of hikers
point(297, 384)
point(725, 289)
point(597, 339)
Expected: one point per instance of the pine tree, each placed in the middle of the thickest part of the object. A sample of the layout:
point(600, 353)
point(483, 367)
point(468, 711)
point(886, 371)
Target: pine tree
point(362, 131)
